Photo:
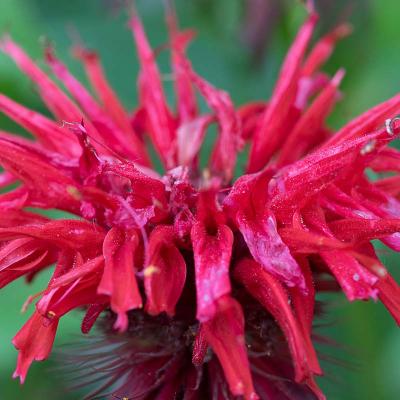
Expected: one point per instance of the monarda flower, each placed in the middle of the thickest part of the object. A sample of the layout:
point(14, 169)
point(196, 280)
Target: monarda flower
point(200, 285)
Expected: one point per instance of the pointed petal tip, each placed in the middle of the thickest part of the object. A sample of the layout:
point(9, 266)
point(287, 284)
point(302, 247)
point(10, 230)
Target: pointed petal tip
point(343, 30)
point(310, 7)
point(19, 375)
point(5, 39)
point(121, 324)
point(338, 77)
point(80, 52)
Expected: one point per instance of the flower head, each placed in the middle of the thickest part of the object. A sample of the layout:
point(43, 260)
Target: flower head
point(206, 282)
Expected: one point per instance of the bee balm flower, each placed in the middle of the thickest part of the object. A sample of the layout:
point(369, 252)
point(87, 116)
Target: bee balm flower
point(204, 283)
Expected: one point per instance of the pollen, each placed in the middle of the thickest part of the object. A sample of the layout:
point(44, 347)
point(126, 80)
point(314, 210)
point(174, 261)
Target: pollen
point(151, 270)
point(50, 314)
point(74, 192)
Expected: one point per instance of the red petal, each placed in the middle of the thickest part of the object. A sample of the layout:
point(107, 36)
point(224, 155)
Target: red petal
point(88, 268)
point(57, 302)
point(389, 295)
point(200, 347)
point(247, 205)
point(23, 257)
point(355, 280)
point(15, 200)
point(302, 137)
point(71, 234)
point(387, 160)
point(212, 257)
point(92, 313)
point(6, 179)
point(366, 122)
point(223, 159)
point(357, 230)
point(268, 249)
point(272, 295)
point(109, 99)
point(324, 48)
point(270, 131)
point(165, 274)
point(111, 134)
point(303, 303)
point(162, 129)
point(295, 184)
point(49, 133)
point(304, 242)
point(389, 291)
point(11, 218)
point(119, 280)
point(56, 101)
point(34, 342)
point(48, 183)
point(186, 99)
point(225, 334)
point(249, 115)
point(390, 185)
point(371, 204)
point(190, 136)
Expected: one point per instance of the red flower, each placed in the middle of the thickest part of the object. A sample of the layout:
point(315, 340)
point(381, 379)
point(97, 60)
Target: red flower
point(210, 281)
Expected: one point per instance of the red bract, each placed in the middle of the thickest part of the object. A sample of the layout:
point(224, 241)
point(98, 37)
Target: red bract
point(210, 280)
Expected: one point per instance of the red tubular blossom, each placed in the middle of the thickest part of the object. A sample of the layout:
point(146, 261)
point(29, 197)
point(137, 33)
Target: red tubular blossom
point(165, 274)
point(22, 256)
point(324, 48)
point(358, 230)
point(225, 333)
point(309, 125)
point(186, 99)
point(160, 122)
point(366, 122)
point(34, 342)
point(49, 133)
point(228, 142)
point(272, 126)
point(63, 234)
point(212, 248)
point(118, 280)
point(228, 270)
point(104, 91)
point(90, 318)
point(248, 205)
point(303, 305)
point(389, 294)
point(356, 282)
point(57, 101)
point(272, 295)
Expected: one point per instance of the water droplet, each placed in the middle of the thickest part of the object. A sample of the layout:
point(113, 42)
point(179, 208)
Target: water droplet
point(368, 147)
point(356, 277)
point(389, 125)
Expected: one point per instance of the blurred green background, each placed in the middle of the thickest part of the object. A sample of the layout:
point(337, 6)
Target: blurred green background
point(242, 55)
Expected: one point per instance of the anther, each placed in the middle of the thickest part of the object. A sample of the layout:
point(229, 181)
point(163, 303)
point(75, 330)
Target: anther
point(150, 270)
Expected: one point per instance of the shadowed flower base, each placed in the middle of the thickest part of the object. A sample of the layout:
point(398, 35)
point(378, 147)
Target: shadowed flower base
point(154, 359)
